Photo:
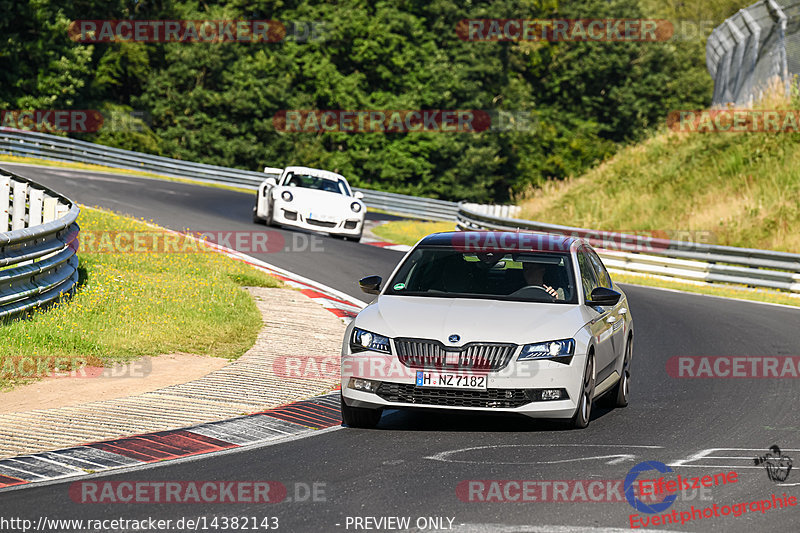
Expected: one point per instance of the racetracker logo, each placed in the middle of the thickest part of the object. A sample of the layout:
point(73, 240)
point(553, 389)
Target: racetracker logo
point(731, 367)
point(127, 492)
point(177, 492)
point(177, 31)
point(564, 491)
point(52, 120)
point(377, 367)
point(25, 367)
point(644, 242)
point(735, 121)
point(159, 241)
point(382, 121)
point(558, 30)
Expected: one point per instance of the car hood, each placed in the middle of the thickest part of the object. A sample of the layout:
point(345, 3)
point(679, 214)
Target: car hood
point(472, 319)
point(322, 202)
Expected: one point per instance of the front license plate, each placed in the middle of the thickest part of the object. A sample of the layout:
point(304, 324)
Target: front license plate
point(450, 381)
point(322, 218)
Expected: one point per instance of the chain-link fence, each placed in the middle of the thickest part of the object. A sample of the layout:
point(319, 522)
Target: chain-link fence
point(754, 49)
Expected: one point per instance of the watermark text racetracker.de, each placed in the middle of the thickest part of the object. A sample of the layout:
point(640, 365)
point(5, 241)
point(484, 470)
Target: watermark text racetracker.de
point(196, 31)
point(72, 120)
point(36, 366)
point(733, 367)
point(249, 522)
point(734, 121)
point(187, 492)
point(563, 491)
point(165, 241)
point(402, 120)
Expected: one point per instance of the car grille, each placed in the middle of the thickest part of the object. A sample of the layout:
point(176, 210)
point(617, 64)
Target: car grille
point(320, 223)
point(420, 353)
point(489, 398)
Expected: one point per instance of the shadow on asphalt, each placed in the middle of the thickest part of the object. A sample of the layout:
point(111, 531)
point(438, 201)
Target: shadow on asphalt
point(466, 421)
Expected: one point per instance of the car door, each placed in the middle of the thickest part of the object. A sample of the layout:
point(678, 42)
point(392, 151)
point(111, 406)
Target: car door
point(600, 326)
point(617, 314)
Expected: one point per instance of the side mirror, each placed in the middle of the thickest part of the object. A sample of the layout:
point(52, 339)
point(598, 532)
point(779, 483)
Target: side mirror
point(604, 296)
point(358, 195)
point(371, 284)
point(271, 182)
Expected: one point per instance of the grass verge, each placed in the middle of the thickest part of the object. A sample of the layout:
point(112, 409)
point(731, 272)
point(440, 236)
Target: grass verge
point(739, 188)
point(100, 168)
point(410, 231)
point(139, 304)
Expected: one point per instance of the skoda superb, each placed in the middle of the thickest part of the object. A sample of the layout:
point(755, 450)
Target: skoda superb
point(492, 322)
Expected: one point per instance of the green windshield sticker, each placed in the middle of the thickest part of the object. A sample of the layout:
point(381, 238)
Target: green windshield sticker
point(399, 286)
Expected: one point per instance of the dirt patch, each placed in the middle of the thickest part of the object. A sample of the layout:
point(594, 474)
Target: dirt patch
point(95, 384)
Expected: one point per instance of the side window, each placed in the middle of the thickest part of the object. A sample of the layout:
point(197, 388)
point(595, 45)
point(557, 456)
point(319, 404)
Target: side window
point(603, 279)
point(587, 273)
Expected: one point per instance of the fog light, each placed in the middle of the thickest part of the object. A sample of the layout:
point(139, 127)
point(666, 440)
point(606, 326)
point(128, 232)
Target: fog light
point(551, 394)
point(365, 385)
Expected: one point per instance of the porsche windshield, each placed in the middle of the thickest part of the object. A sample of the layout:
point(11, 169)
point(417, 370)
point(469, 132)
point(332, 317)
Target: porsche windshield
point(522, 276)
point(315, 182)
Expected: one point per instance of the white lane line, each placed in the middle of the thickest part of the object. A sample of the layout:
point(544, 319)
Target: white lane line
point(445, 456)
point(706, 454)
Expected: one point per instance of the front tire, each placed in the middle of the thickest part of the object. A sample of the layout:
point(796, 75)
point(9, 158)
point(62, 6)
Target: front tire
point(618, 396)
point(360, 417)
point(584, 411)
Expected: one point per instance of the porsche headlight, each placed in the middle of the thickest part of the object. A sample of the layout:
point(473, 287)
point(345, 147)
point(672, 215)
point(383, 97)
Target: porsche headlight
point(361, 341)
point(356, 207)
point(547, 350)
point(287, 196)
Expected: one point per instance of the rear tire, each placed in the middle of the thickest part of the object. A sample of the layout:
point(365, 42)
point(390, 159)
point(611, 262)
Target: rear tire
point(360, 417)
point(584, 411)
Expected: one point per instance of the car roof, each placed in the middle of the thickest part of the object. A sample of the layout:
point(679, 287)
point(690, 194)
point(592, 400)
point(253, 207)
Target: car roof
point(502, 241)
point(327, 174)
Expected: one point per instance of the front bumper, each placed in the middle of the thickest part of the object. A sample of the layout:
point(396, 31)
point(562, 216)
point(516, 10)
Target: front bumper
point(511, 390)
point(287, 215)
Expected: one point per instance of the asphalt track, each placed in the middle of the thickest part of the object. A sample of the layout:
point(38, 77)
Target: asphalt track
point(413, 463)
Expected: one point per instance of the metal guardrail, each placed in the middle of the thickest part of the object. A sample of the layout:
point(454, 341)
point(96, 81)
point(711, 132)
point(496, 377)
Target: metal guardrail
point(630, 253)
point(38, 245)
point(661, 257)
point(55, 148)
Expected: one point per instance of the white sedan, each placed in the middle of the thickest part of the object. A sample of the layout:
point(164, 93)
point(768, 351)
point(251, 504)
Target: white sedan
point(492, 322)
point(311, 199)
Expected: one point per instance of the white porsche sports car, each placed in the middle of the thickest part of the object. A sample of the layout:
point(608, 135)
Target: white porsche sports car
point(494, 322)
point(311, 199)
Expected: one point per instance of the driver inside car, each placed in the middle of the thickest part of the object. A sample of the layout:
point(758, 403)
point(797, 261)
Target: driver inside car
point(534, 276)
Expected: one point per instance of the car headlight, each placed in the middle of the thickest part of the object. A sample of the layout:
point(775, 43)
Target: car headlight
point(547, 350)
point(356, 207)
point(287, 196)
point(361, 341)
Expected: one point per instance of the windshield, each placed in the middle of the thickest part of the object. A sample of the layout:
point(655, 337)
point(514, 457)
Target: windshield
point(444, 272)
point(315, 182)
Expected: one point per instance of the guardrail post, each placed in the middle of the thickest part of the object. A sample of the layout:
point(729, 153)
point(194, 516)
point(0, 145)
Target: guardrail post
point(5, 197)
point(20, 198)
point(35, 207)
